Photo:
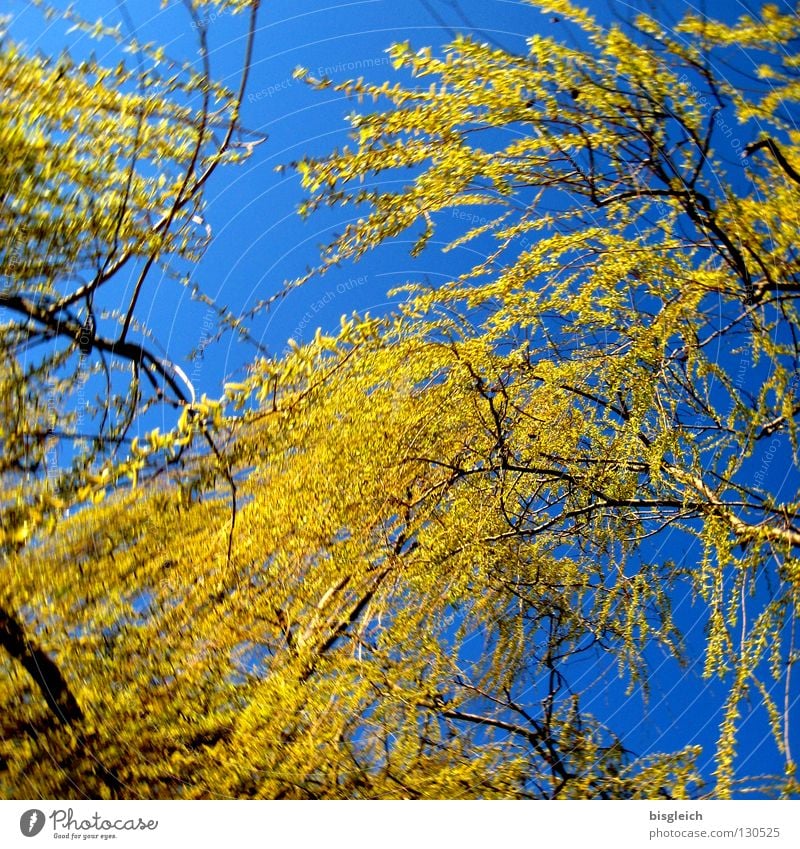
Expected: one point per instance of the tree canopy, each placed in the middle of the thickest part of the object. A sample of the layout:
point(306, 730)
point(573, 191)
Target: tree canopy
point(381, 564)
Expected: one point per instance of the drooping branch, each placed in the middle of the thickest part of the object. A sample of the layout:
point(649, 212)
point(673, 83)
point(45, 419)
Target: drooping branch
point(133, 352)
point(773, 148)
point(190, 188)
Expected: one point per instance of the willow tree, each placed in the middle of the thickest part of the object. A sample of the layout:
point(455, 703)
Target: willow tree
point(101, 179)
point(411, 538)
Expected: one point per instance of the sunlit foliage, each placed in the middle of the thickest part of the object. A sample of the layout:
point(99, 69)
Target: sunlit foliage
point(379, 576)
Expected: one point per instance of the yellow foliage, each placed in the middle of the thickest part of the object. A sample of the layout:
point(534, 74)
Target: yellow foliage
point(375, 575)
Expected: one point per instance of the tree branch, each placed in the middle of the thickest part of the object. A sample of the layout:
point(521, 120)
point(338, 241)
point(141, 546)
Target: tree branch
point(44, 671)
point(773, 148)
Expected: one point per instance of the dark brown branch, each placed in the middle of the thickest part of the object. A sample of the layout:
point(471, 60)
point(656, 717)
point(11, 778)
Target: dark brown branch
point(42, 669)
point(354, 614)
point(133, 352)
point(773, 148)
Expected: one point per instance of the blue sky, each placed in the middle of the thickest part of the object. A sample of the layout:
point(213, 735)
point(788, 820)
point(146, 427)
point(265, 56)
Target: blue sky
point(259, 241)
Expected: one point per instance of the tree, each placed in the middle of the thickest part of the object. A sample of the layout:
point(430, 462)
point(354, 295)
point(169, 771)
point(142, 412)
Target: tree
point(152, 135)
point(384, 575)
point(102, 180)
